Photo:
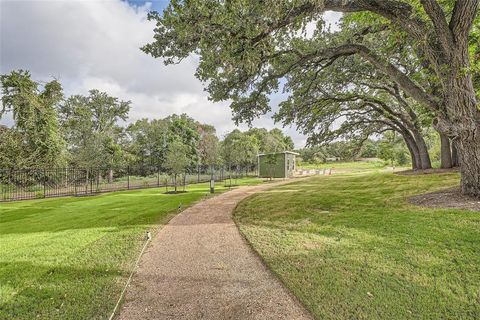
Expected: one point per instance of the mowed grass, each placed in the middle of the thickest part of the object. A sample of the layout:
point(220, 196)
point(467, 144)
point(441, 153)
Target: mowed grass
point(68, 258)
point(351, 247)
point(352, 166)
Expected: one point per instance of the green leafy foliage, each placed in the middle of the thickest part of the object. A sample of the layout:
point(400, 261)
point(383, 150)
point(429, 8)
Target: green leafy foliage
point(333, 83)
point(392, 149)
point(35, 140)
point(91, 128)
point(89, 131)
point(176, 160)
point(271, 141)
point(209, 147)
point(148, 141)
point(239, 149)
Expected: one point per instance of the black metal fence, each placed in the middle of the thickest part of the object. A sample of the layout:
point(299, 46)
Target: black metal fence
point(22, 184)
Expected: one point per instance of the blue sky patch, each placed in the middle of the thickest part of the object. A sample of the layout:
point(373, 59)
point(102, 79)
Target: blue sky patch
point(157, 5)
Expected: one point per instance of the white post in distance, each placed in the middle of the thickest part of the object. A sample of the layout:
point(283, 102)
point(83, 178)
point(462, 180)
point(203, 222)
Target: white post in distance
point(212, 186)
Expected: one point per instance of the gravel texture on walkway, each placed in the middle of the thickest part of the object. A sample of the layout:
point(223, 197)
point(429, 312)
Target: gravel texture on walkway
point(200, 267)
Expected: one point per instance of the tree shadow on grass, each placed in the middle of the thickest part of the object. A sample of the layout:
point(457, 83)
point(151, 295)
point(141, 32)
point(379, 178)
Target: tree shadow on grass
point(175, 192)
point(354, 278)
point(59, 292)
point(114, 210)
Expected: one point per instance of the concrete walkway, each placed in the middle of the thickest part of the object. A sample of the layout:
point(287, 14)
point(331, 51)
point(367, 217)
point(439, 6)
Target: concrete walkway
point(200, 267)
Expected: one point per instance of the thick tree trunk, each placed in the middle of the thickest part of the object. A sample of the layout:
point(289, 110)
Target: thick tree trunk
point(470, 167)
point(464, 117)
point(425, 162)
point(413, 156)
point(413, 149)
point(469, 152)
point(455, 155)
point(445, 152)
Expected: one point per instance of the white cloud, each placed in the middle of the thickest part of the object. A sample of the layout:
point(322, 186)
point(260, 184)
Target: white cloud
point(95, 44)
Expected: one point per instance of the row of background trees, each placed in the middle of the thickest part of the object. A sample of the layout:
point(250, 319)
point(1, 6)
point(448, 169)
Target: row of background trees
point(389, 147)
point(91, 131)
point(51, 130)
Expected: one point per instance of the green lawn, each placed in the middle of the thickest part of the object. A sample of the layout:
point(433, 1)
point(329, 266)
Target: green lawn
point(68, 258)
point(351, 166)
point(351, 247)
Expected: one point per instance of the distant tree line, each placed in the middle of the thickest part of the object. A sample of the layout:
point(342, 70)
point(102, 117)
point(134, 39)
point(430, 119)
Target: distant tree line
point(389, 146)
point(51, 130)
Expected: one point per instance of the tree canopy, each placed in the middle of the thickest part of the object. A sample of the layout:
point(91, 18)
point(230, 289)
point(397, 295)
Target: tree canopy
point(93, 131)
point(36, 135)
point(176, 159)
point(91, 128)
point(251, 49)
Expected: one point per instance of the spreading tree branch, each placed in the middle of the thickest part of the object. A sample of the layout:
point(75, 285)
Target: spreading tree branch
point(462, 19)
point(437, 16)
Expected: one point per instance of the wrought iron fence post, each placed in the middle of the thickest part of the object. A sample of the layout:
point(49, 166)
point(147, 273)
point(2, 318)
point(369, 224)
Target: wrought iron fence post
point(86, 181)
point(17, 184)
point(44, 183)
point(128, 177)
point(75, 180)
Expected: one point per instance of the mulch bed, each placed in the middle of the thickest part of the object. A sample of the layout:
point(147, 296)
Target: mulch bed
point(426, 171)
point(446, 199)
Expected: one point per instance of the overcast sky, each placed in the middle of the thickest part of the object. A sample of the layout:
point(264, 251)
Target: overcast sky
point(95, 44)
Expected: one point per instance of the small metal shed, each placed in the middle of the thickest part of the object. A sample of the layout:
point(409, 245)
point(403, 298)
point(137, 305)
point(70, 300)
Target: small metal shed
point(277, 164)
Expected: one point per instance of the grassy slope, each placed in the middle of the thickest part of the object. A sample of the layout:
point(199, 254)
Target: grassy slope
point(68, 258)
point(350, 247)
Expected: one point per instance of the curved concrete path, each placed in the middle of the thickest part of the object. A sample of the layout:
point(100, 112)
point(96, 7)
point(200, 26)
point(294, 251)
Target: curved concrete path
point(199, 267)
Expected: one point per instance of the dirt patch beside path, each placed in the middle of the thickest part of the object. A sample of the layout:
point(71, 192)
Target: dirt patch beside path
point(447, 199)
point(200, 267)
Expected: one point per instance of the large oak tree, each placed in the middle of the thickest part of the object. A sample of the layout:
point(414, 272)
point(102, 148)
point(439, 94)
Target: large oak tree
point(354, 103)
point(246, 48)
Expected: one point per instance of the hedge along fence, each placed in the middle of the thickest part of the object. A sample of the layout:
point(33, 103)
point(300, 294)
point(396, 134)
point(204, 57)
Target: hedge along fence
point(23, 184)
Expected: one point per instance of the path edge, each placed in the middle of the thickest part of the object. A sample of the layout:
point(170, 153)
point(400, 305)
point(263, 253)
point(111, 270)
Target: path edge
point(274, 274)
point(154, 232)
